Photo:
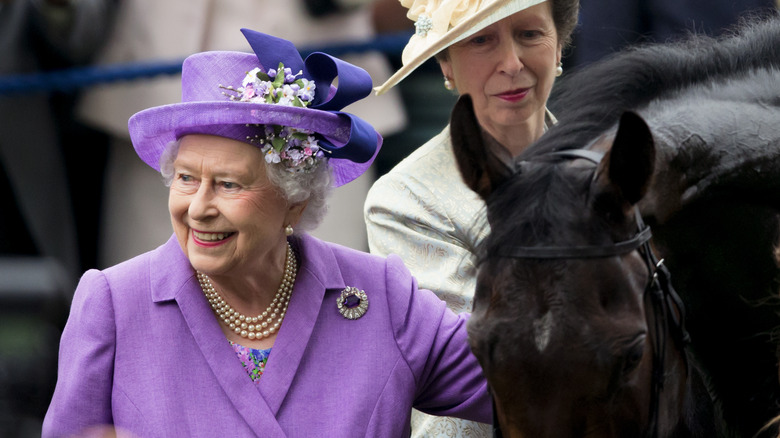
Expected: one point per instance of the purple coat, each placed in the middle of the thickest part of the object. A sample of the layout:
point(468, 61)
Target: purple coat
point(142, 350)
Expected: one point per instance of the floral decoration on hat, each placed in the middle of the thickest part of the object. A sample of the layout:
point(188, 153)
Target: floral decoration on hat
point(433, 18)
point(279, 86)
point(296, 149)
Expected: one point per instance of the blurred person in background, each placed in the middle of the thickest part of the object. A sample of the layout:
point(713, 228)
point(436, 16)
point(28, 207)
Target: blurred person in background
point(134, 218)
point(37, 140)
point(506, 55)
point(50, 179)
point(243, 324)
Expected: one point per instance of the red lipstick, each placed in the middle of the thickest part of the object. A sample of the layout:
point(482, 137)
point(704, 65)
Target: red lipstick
point(514, 95)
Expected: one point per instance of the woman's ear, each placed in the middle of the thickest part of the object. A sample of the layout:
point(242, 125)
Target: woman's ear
point(446, 68)
point(295, 212)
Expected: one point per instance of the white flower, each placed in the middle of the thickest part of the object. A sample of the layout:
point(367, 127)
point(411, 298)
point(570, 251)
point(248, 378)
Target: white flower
point(271, 156)
point(286, 95)
point(251, 77)
point(311, 143)
point(306, 93)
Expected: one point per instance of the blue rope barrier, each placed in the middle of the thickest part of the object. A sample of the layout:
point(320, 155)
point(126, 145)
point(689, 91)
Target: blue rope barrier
point(69, 80)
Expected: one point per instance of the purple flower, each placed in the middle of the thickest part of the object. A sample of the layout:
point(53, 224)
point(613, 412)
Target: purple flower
point(288, 76)
point(263, 88)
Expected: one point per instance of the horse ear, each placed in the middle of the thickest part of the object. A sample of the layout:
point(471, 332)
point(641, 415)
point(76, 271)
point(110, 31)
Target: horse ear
point(481, 169)
point(630, 162)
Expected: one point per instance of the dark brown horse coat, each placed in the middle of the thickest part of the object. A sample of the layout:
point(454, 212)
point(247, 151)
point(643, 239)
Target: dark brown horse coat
point(691, 136)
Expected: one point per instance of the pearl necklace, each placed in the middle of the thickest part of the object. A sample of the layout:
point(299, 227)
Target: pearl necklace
point(260, 326)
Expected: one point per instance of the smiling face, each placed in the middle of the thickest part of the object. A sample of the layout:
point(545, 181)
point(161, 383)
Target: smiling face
point(508, 68)
point(227, 216)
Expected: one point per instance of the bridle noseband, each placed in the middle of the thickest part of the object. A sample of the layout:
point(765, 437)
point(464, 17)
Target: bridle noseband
point(664, 299)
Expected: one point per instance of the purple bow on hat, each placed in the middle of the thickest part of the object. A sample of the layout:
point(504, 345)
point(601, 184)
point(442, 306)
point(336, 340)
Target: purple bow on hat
point(354, 84)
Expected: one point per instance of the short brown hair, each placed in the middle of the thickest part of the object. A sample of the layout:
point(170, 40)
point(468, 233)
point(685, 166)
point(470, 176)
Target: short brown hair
point(565, 15)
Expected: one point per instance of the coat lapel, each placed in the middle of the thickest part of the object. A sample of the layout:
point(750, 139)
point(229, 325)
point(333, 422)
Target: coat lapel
point(318, 271)
point(179, 284)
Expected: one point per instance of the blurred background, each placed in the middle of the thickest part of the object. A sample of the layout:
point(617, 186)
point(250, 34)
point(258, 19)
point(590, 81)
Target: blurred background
point(73, 194)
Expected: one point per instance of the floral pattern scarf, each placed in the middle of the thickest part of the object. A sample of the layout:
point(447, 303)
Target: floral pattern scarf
point(252, 359)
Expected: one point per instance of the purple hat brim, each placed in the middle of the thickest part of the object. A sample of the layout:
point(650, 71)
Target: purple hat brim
point(152, 129)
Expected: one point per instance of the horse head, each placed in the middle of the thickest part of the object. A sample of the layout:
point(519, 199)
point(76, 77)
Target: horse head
point(570, 339)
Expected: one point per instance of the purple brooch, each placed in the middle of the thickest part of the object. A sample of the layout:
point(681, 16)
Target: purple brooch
point(352, 303)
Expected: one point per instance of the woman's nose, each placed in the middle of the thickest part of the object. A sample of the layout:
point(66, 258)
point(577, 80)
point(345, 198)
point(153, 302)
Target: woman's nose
point(202, 205)
point(510, 61)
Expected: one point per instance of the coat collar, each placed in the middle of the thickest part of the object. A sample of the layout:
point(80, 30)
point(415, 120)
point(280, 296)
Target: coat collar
point(173, 279)
point(318, 272)
point(170, 271)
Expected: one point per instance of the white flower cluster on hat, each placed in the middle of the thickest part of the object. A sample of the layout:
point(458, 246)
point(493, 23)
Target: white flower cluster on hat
point(297, 149)
point(278, 86)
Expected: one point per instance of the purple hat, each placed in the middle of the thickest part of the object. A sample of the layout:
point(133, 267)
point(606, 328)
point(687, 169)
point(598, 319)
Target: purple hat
point(243, 96)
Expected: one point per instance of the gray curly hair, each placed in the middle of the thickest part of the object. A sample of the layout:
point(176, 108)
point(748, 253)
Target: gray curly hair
point(314, 186)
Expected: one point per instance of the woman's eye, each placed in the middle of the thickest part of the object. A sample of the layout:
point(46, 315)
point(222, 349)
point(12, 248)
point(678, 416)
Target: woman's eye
point(185, 178)
point(530, 34)
point(229, 185)
point(479, 39)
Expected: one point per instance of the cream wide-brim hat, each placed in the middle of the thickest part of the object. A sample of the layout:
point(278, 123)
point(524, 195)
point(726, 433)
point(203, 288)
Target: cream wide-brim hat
point(441, 23)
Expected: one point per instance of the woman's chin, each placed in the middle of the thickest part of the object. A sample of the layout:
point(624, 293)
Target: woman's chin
point(208, 265)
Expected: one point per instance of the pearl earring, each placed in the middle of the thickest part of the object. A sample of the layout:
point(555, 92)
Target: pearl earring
point(559, 69)
point(288, 230)
point(448, 84)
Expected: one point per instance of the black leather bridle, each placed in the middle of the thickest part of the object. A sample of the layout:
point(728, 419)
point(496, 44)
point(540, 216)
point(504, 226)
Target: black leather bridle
point(668, 308)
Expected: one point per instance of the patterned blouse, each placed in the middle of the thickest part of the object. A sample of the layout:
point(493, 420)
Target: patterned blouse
point(252, 359)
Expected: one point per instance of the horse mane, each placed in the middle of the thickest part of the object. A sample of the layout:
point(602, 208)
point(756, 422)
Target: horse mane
point(590, 101)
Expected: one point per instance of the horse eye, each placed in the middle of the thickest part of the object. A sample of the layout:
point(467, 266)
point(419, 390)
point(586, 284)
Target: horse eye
point(633, 355)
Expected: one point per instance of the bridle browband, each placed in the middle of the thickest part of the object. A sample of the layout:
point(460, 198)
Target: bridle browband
point(579, 252)
point(659, 289)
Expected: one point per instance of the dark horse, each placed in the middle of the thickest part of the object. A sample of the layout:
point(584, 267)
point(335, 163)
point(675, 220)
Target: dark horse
point(574, 322)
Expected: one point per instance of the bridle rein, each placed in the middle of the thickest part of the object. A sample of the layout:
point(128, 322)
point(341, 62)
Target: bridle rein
point(667, 306)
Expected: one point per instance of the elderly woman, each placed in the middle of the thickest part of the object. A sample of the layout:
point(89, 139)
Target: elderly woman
point(242, 324)
point(505, 54)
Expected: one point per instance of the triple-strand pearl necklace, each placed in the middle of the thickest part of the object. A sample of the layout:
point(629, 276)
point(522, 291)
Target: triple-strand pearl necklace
point(262, 325)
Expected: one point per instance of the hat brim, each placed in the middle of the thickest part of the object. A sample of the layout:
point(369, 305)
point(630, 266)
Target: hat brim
point(492, 13)
point(152, 129)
